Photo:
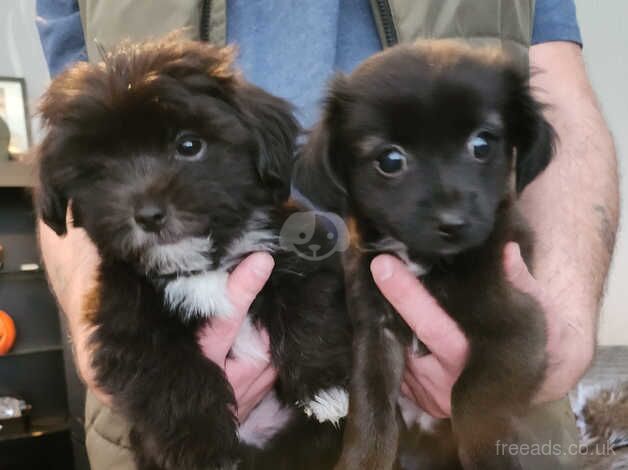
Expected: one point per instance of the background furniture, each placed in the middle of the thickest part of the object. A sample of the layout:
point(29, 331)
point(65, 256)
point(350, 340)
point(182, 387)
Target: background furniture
point(39, 368)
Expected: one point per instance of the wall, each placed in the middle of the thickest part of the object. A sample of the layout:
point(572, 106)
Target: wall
point(20, 50)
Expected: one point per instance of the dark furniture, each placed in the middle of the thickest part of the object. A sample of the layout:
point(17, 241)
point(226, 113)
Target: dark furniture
point(39, 368)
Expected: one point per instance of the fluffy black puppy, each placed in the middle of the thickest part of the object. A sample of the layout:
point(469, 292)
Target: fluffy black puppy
point(177, 169)
point(423, 149)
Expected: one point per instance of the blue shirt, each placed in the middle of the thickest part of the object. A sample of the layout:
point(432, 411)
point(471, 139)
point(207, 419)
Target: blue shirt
point(289, 47)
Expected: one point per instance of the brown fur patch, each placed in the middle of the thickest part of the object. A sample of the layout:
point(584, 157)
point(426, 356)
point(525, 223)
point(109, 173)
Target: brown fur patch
point(355, 239)
point(91, 304)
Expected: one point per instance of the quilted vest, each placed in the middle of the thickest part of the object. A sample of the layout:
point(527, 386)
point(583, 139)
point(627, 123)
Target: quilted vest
point(507, 23)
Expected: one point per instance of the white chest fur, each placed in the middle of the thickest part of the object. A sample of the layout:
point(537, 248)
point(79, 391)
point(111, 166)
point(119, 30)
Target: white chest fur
point(200, 295)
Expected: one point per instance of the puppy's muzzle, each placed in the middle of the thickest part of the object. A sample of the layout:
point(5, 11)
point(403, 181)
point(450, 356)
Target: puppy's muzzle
point(150, 216)
point(450, 226)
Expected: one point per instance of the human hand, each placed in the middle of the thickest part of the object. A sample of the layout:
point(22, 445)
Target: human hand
point(71, 264)
point(570, 346)
point(428, 380)
point(251, 380)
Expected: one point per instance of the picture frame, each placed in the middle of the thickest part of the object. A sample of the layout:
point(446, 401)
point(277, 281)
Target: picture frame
point(14, 113)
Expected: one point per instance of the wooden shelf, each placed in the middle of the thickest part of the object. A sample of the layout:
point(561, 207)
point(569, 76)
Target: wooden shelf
point(32, 350)
point(22, 275)
point(16, 175)
point(40, 427)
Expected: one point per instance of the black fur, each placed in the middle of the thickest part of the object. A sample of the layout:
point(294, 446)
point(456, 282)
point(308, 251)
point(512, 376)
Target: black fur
point(112, 149)
point(454, 214)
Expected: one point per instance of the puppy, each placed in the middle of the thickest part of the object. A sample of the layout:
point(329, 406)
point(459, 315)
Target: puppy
point(423, 150)
point(177, 168)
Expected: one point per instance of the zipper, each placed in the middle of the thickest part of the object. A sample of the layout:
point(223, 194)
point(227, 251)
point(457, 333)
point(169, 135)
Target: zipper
point(385, 15)
point(206, 7)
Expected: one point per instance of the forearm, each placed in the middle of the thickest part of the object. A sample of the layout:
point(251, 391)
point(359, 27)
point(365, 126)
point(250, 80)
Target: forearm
point(573, 206)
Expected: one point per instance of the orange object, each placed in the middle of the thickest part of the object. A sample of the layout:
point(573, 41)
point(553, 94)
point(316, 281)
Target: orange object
point(7, 333)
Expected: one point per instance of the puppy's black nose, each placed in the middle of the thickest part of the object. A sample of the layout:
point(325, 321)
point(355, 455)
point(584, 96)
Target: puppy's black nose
point(450, 226)
point(150, 216)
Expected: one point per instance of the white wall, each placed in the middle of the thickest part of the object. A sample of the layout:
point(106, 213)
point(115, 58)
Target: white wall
point(603, 26)
point(20, 50)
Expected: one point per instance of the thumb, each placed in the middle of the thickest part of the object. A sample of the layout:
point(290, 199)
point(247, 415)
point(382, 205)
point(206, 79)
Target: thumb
point(247, 280)
point(243, 285)
point(517, 271)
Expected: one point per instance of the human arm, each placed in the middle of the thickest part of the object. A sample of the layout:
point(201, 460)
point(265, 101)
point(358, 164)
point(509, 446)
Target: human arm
point(576, 229)
point(71, 263)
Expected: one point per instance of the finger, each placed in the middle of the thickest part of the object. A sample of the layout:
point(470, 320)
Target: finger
point(241, 374)
point(422, 397)
point(247, 404)
point(517, 271)
point(431, 324)
point(261, 385)
point(243, 285)
point(248, 398)
point(435, 379)
point(247, 280)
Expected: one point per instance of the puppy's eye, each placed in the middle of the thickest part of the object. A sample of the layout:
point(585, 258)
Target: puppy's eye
point(189, 147)
point(392, 162)
point(480, 145)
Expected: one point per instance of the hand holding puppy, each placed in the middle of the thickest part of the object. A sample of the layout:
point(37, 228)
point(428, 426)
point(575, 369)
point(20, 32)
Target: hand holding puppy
point(71, 263)
point(428, 380)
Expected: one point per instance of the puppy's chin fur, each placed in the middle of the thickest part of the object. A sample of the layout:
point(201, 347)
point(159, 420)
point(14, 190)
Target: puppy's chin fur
point(184, 270)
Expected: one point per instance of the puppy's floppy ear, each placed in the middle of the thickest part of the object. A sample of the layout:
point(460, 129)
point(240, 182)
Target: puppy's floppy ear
point(319, 176)
point(532, 136)
point(50, 198)
point(276, 129)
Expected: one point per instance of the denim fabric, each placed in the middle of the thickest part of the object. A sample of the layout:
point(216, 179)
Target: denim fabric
point(555, 20)
point(289, 47)
point(61, 33)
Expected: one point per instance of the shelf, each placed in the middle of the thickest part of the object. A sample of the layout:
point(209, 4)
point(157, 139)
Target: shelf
point(40, 427)
point(16, 175)
point(22, 275)
point(26, 351)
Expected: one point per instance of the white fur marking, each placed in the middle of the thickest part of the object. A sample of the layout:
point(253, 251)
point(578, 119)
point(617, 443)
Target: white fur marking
point(254, 238)
point(248, 345)
point(189, 254)
point(203, 295)
point(401, 250)
point(328, 405)
point(266, 419)
point(412, 414)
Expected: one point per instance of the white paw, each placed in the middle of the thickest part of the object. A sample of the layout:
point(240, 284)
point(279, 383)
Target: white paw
point(328, 405)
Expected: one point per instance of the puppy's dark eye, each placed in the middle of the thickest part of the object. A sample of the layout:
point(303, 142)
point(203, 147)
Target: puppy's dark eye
point(392, 162)
point(480, 145)
point(189, 147)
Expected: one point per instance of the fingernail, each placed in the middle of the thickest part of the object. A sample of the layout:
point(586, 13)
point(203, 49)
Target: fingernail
point(516, 250)
point(263, 264)
point(381, 268)
point(513, 254)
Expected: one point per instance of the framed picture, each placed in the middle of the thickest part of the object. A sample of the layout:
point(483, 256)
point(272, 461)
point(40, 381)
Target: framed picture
point(14, 116)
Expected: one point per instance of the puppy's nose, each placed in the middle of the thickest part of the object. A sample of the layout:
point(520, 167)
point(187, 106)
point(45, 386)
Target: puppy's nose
point(450, 226)
point(150, 216)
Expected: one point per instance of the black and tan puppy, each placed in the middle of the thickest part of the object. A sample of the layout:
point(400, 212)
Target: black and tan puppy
point(177, 168)
point(423, 150)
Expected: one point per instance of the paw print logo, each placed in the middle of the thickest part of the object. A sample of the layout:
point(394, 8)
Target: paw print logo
point(314, 235)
